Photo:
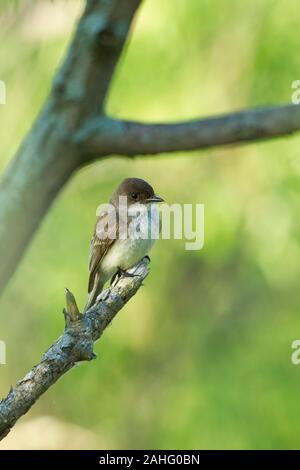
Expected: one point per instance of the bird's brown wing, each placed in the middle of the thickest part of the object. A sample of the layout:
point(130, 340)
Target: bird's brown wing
point(104, 236)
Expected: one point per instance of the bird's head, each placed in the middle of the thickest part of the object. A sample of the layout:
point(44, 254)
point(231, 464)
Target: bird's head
point(136, 190)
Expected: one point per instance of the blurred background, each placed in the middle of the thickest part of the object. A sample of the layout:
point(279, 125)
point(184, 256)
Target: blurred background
point(201, 356)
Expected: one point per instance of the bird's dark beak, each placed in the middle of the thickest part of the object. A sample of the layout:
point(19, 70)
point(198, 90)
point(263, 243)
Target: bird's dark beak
point(155, 198)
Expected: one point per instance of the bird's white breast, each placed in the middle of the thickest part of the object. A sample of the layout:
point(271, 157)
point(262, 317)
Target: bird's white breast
point(144, 230)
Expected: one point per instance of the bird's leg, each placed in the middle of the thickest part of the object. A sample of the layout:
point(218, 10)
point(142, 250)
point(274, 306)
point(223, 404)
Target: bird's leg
point(124, 273)
point(115, 278)
point(121, 273)
point(118, 274)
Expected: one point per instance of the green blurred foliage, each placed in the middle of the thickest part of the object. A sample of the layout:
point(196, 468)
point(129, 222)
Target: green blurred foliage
point(200, 357)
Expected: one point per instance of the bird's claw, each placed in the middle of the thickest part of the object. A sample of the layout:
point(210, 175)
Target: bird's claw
point(124, 273)
point(121, 273)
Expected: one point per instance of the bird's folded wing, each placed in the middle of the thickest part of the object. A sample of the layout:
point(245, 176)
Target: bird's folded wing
point(106, 230)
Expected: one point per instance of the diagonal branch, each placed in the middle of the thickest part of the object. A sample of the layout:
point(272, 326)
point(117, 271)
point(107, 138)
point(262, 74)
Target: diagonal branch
point(76, 344)
point(105, 136)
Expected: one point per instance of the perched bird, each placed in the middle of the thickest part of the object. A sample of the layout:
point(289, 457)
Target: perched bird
point(123, 235)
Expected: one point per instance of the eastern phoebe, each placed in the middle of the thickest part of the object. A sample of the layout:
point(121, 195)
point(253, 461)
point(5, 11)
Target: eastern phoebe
point(123, 235)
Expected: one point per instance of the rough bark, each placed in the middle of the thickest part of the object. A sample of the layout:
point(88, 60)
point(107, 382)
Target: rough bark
point(76, 344)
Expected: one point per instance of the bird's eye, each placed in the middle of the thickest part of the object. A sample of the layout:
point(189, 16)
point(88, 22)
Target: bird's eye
point(134, 195)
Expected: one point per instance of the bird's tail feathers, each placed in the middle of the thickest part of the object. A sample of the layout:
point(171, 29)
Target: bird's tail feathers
point(97, 288)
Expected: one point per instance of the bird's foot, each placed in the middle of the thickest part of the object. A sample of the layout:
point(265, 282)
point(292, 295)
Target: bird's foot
point(115, 278)
point(121, 273)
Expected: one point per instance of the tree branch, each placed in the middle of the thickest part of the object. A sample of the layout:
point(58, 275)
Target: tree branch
point(72, 129)
point(47, 157)
point(105, 136)
point(76, 344)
